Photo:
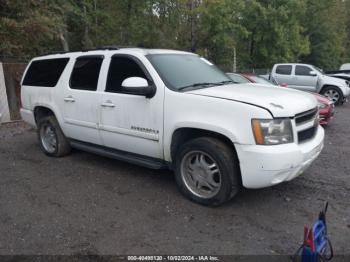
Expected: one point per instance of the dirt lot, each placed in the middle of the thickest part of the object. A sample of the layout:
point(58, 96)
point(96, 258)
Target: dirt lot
point(88, 204)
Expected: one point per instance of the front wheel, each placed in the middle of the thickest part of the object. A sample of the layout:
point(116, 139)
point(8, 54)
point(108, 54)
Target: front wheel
point(206, 171)
point(334, 94)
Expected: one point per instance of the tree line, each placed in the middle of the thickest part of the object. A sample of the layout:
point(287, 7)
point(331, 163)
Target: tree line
point(259, 32)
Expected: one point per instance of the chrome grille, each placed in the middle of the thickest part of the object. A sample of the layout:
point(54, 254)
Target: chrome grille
point(306, 116)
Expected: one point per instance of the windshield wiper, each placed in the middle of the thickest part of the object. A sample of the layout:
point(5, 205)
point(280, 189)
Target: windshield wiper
point(195, 85)
point(206, 84)
point(226, 82)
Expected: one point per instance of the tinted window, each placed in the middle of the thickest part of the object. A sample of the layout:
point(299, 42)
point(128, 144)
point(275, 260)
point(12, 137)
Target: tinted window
point(302, 70)
point(45, 72)
point(182, 70)
point(238, 78)
point(260, 80)
point(120, 69)
point(284, 70)
point(85, 73)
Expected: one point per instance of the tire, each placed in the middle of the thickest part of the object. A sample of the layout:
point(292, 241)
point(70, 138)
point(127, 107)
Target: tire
point(51, 138)
point(331, 92)
point(192, 174)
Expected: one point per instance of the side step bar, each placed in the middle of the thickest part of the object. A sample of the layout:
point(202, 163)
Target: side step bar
point(132, 158)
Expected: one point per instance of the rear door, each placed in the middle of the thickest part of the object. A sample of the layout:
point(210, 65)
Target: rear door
point(283, 74)
point(131, 122)
point(80, 100)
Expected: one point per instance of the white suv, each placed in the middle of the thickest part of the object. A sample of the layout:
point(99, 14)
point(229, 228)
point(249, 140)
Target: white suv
point(172, 109)
point(309, 78)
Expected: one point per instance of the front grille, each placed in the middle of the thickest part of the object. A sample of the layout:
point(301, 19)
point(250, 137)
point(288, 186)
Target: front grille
point(307, 124)
point(307, 134)
point(305, 116)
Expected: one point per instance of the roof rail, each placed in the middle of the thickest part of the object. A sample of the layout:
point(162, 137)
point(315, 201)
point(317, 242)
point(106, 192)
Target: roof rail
point(55, 53)
point(111, 47)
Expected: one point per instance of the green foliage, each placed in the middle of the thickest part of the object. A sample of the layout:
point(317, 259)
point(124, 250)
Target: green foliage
point(325, 21)
point(275, 33)
point(262, 32)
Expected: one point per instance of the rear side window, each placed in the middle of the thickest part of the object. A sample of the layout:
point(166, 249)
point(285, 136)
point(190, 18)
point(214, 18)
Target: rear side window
point(86, 72)
point(45, 72)
point(302, 70)
point(284, 70)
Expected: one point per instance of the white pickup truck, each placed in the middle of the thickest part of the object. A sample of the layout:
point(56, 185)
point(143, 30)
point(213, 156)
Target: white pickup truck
point(309, 78)
point(172, 109)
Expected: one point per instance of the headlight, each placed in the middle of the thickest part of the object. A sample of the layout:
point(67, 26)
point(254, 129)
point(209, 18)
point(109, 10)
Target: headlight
point(272, 132)
point(321, 105)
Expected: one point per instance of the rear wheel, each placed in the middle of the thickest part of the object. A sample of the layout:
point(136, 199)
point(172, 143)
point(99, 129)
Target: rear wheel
point(51, 138)
point(334, 94)
point(207, 171)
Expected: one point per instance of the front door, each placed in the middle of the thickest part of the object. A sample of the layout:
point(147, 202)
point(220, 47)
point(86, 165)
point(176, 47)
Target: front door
point(303, 80)
point(131, 122)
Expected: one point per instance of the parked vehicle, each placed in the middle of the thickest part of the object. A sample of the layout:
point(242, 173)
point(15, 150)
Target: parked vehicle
point(237, 78)
point(309, 78)
point(345, 66)
point(325, 106)
point(344, 69)
point(172, 109)
point(260, 80)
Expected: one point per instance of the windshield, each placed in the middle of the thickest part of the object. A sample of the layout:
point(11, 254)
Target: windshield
point(260, 80)
point(238, 78)
point(318, 69)
point(187, 71)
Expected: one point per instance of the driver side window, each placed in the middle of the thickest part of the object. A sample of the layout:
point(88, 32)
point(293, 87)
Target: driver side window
point(121, 68)
point(302, 70)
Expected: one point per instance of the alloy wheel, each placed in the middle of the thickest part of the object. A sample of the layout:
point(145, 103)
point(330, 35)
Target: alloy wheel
point(201, 174)
point(48, 138)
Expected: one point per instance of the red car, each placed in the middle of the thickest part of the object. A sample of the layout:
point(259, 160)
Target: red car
point(326, 106)
point(326, 109)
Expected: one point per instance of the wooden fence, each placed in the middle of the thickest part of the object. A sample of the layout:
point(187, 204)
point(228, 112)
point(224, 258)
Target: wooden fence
point(10, 90)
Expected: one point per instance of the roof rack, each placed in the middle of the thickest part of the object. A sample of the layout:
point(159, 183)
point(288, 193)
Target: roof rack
point(112, 47)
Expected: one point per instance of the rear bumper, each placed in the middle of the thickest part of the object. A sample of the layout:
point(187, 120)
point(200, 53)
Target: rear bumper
point(28, 116)
point(263, 166)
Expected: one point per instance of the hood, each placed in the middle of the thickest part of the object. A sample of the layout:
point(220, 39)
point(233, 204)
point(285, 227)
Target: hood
point(333, 80)
point(322, 99)
point(280, 101)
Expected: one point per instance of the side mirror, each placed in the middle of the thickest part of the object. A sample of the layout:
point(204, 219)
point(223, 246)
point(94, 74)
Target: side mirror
point(313, 73)
point(138, 86)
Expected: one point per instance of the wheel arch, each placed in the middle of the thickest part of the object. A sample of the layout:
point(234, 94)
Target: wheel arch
point(42, 111)
point(340, 90)
point(183, 134)
point(328, 85)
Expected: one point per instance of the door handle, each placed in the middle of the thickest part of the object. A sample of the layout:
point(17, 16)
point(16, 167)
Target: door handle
point(69, 99)
point(108, 103)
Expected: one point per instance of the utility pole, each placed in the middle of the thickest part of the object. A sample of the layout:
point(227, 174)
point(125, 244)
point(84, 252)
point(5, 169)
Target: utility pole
point(192, 26)
point(234, 60)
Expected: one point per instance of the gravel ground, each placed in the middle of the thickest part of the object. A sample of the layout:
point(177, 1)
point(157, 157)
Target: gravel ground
point(87, 204)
